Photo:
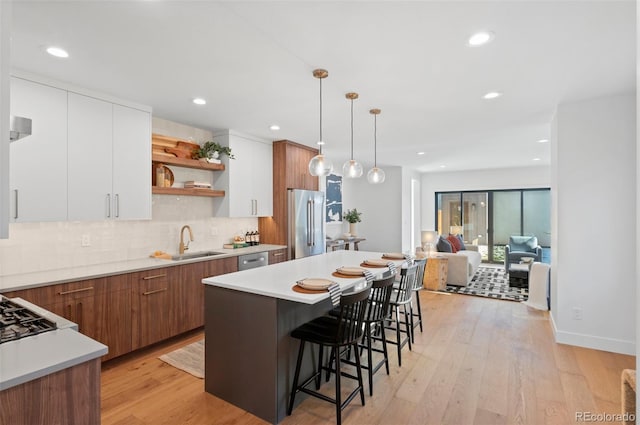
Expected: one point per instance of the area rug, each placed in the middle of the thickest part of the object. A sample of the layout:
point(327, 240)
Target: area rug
point(491, 282)
point(189, 358)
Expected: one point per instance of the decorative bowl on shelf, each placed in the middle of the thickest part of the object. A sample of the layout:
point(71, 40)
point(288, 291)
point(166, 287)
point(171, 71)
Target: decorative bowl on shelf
point(526, 260)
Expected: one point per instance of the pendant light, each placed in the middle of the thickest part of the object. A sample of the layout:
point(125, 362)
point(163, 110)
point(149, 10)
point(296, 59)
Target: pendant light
point(375, 175)
point(352, 169)
point(319, 165)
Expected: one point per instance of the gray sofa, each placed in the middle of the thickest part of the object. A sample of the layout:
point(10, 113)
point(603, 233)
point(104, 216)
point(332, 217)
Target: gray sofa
point(521, 246)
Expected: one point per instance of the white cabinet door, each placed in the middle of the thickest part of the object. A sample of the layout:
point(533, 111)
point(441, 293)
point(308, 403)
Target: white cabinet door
point(250, 178)
point(131, 163)
point(38, 163)
point(263, 179)
point(90, 158)
point(240, 191)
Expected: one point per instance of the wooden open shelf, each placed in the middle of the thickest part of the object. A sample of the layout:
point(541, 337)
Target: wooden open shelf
point(186, 192)
point(189, 163)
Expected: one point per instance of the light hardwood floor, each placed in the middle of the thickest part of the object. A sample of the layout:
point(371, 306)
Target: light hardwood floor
point(479, 361)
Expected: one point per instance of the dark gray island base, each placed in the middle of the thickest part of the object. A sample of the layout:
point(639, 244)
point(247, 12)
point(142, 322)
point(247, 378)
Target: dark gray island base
point(249, 356)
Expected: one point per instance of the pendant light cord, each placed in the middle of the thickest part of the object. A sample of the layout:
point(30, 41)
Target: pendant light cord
point(352, 129)
point(320, 150)
point(375, 141)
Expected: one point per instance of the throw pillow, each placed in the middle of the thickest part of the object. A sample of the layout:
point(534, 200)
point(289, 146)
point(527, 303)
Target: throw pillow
point(443, 245)
point(455, 243)
point(462, 245)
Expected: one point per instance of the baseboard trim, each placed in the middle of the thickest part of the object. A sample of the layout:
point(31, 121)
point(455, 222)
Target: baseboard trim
point(612, 345)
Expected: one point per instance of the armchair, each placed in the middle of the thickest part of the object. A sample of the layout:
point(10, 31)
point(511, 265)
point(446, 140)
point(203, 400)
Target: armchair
point(521, 246)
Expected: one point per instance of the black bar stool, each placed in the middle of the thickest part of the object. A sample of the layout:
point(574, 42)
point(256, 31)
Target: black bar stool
point(377, 311)
point(336, 332)
point(417, 287)
point(401, 297)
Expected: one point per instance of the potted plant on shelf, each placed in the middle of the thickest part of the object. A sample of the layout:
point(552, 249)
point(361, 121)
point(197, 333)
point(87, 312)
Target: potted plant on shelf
point(353, 217)
point(210, 152)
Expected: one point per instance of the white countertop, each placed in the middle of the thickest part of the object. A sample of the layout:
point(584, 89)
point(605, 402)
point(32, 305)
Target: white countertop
point(39, 355)
point(277, 280)
point(51, 277)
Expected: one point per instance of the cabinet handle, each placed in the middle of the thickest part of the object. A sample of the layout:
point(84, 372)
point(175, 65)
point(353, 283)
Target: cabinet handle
point(154, 276)
point(278, 254)
point(79, 317)
point(73, 291)
point(16, 213)
point(108, 205)
point(117, 205)
point(154, 292)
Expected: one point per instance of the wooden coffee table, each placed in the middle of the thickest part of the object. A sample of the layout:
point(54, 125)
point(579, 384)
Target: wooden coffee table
point(519, 275)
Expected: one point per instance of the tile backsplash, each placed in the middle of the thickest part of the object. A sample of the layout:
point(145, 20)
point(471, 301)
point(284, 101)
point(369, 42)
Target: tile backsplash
point(34, 247)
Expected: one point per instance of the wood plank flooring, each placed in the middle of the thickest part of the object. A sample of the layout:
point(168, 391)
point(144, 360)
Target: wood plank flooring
point(479, 361)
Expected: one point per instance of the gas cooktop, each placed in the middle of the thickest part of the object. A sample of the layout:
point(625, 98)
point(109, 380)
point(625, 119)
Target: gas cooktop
point(18, 322)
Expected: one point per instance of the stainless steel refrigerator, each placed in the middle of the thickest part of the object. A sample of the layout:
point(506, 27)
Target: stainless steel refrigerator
point(306, 234)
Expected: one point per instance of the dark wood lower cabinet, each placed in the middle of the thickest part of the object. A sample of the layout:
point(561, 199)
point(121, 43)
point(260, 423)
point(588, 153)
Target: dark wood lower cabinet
point(153, 312)
point(70, 396)
point(132, 310)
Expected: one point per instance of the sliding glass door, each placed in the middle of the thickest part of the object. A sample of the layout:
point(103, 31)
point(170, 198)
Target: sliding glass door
point(487, 218)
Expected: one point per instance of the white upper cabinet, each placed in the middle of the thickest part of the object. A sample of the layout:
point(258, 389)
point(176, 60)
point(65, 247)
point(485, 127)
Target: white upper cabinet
point(109, 160)
point(249, 177)
point(131, 163)
point(90, 158)
point(38, 163)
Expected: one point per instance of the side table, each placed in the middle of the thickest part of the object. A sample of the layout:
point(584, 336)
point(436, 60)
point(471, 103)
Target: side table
point(435, 274)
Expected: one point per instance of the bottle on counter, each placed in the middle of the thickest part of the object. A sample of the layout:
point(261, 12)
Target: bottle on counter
point(257, 237)
point(247, 237)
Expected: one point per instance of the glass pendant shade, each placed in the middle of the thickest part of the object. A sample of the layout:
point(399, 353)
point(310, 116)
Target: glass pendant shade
point(375, 175)
point(352, 169)
point(320, 166)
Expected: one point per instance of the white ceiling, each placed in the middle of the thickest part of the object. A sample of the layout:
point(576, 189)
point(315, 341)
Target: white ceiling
point(253, 63)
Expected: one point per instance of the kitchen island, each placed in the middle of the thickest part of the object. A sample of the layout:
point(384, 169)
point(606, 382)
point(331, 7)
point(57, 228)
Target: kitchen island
point(249, 356)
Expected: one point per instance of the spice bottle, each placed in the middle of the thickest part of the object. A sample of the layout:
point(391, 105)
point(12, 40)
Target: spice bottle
point(160, 175)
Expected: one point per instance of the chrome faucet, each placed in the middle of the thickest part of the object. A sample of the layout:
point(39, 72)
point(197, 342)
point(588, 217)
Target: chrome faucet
point(183, 246)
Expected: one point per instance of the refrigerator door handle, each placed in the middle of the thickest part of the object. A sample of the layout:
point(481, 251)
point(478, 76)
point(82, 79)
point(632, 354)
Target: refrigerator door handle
point(309, 228)
point(313, 223)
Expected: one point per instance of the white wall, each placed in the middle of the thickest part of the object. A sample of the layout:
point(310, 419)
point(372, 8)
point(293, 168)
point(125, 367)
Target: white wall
point(409, 176)
point(495, 179)
point(595, 251)
point(5, 34)
point(381, 207)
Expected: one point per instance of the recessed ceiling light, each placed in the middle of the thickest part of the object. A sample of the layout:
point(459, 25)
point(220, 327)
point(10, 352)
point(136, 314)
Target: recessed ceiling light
point(536, 159)
point(57, 52)
point(480, 38)
point(492, 95)
point(274, 127)
point(543, 141)
point(199, 101)
point(420, 153)
point(443, 166)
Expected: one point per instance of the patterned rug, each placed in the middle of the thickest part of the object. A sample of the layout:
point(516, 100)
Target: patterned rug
point(491, 282)
point(189, 358)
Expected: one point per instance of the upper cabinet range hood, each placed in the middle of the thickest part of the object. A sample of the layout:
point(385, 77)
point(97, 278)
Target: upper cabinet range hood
point(19, 127)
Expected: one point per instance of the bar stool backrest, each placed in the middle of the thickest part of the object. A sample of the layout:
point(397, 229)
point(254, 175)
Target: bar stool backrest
point(421, 263)
point(351, 317)
point(379, 299)
point(405, 287)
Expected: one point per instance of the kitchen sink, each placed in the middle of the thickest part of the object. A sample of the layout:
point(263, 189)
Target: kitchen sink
point(195, 255)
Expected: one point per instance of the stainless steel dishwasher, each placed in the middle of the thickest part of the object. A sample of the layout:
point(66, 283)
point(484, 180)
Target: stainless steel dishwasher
point(251, 261)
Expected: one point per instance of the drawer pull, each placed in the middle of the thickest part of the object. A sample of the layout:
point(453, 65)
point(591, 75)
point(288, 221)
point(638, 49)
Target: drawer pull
point(73, 291)
point(154, 292)
point(154, 276)
point(278, 254)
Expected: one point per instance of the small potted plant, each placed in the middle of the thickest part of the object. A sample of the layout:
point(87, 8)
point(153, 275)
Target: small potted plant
point(210, 152)
point(353, 217)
